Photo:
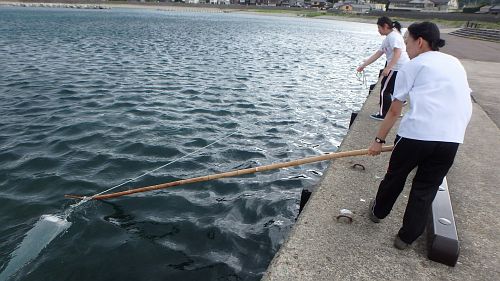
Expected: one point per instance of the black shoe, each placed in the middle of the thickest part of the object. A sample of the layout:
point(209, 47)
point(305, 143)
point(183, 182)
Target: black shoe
point(371, 215)
point(400, 244)
point(377, 117)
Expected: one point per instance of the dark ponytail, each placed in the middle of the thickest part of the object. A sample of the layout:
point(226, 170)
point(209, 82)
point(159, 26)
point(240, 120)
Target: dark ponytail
point(429, 32)
point(385, 20)
point(397, 26)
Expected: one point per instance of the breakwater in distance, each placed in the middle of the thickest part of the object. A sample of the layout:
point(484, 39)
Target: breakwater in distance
point(56, 5)
point(172, 7)
point(90, 99)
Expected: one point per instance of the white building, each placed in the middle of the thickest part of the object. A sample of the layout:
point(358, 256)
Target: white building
point(424, 5)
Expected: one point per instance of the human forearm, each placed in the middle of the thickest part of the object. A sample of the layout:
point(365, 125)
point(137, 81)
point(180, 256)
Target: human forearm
point(370, 60)
point(386, 126)
point(394, 60)
point(390, 119)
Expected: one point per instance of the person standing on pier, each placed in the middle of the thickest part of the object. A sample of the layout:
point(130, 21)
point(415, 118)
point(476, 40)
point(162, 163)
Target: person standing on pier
point(430, 132)
point(394, 49)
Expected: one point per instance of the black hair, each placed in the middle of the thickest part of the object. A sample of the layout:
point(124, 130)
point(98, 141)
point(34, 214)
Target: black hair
point(429, 32)
point(392, 24)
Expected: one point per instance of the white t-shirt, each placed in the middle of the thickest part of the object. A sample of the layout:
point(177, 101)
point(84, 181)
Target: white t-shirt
point(440, 102)
point(391, 41)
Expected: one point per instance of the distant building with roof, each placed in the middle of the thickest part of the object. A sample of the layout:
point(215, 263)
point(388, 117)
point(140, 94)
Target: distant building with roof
point(353, 7)
point(484, 9)
point(495, 10)
point(424, 5)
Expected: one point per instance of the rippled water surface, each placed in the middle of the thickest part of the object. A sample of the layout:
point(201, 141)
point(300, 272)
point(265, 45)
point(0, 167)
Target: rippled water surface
point(91, 99)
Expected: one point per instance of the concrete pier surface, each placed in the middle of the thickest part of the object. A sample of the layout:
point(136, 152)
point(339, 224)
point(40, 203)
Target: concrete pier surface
point(321, 248)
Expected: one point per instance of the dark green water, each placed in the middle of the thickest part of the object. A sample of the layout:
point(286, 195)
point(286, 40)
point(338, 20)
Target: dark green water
point(90, 99)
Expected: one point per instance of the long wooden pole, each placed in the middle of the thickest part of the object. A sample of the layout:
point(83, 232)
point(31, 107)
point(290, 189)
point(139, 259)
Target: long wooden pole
point(234, 173)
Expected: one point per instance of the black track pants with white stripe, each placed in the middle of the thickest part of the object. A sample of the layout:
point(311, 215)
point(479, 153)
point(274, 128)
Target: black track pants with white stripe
point(432, 159)
point(386, 90)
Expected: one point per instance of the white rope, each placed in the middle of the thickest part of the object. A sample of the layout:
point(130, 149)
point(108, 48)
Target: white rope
point(87, 198)
point(163, 166)
point(362, 78)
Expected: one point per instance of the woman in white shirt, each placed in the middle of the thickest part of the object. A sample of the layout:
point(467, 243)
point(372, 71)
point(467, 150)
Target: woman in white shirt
point(394, 49)
point(429, 134)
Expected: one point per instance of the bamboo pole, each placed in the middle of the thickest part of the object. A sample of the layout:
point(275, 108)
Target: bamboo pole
point(234, 173)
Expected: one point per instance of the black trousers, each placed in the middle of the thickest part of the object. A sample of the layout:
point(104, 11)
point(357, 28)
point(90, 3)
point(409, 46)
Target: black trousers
point(433, 159)
point(386, 90)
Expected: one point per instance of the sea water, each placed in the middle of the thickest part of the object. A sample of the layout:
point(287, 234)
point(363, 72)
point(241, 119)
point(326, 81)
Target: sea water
point(92, 98)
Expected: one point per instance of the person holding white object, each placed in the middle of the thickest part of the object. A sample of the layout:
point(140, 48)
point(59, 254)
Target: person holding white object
point(394, 49)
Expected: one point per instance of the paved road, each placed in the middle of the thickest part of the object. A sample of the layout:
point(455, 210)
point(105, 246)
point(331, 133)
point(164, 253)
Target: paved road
point(481, 60)
point(471, 49)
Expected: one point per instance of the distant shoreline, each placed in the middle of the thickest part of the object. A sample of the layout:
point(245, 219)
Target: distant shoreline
point(205, 8)
point(178, 7)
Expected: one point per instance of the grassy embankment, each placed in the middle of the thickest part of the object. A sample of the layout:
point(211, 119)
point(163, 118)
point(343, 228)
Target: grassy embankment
point(367, 18)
